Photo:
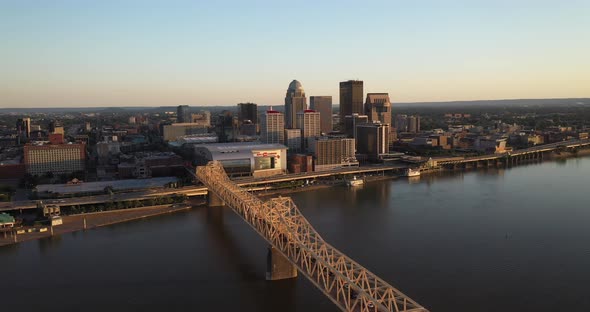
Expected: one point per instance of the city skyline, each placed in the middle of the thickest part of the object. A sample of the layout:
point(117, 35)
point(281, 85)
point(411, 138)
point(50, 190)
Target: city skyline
point(67, 54)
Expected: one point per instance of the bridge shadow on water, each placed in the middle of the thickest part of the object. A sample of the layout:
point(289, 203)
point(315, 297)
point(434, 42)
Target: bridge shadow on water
point(256, 291)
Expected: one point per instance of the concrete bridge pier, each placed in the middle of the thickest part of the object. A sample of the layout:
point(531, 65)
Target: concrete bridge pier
point(214, 200)
point(278, 267)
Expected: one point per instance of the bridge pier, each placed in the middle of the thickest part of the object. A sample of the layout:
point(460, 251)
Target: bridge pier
point(278, 267)
point(214, 200)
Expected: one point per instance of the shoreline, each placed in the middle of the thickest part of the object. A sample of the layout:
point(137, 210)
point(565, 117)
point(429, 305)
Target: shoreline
point(86, 221)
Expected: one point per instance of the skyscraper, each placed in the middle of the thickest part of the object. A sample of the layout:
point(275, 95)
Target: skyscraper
point(309, 123)
point(183, 114)
point(247, 111)
point(295, 102)
point(351, 98)
point(378, 108)
point(23, 128)
point(373, 139)
point(323, 105)
point(272, 127)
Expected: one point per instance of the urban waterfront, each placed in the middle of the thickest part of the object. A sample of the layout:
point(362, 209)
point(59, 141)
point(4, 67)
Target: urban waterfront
point(488, 240)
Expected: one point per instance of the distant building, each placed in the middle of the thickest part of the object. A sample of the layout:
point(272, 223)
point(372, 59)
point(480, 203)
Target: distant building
point(272, 127)
point(378, 108)
point(293, 140)
point(332, 153)
point(373, 140)
point(202, 118)
point(351, 122)
point(258, 160)
point(309, 123)
point(151, 165)
point(295, 102)
point(183, 114)
point(351, 98)
point(404, 123)
point(247, 111)
point(248, 128)
point(23, 128)
point(174, 131)
point(323, 105)
point(414, 124)
point(55, 158)
point(56, 127)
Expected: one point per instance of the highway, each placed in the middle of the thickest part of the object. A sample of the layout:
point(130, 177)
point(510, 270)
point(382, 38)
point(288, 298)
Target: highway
point(195, 190)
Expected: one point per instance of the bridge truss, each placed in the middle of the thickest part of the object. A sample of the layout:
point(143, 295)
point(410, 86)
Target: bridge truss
point(348, 284)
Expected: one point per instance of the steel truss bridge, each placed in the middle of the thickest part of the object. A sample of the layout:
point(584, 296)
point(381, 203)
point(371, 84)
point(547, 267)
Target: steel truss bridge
point(348, 284)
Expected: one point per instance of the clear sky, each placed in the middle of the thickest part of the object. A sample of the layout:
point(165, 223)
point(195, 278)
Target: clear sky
point(215, 52)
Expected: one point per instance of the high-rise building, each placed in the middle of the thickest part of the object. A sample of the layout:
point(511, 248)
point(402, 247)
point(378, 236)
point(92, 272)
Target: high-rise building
point(351, 121)
point(248, 111)
point(323, 105)
point(373, 139)
point(414, 124)
point(378, 108)
point(309, 123)
point(293, 140)
point(183, 114)
point(55, 158)
point(295, 101)
point(272, 127)
point(23, 128)
point(351, 98)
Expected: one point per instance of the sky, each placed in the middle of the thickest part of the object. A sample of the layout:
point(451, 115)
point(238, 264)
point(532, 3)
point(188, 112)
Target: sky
point(203, 52)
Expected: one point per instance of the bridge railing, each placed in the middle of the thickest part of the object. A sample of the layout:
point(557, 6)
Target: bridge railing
point(349, 285)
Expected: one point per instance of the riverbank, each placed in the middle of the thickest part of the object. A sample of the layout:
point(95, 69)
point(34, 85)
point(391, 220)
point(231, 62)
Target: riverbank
point(79, 222)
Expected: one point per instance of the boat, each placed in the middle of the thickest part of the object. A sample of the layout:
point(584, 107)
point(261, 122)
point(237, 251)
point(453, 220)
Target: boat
point(355, 182)
point(411, 172)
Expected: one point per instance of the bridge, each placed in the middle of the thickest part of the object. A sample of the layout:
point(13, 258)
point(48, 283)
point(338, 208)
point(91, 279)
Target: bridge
point(296, 245)
point(514, 157)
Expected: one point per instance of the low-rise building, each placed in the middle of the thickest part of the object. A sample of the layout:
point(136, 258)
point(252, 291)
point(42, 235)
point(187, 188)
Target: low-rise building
point(258, 160)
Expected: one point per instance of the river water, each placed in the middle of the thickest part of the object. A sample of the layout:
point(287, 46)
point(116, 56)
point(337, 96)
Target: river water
point(491, 240)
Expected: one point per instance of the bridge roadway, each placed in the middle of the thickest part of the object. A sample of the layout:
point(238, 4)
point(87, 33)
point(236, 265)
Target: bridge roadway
point(348, 284)
point(191, 191)
point(535, 149)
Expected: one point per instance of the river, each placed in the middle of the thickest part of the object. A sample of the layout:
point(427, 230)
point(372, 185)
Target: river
point(489, 240)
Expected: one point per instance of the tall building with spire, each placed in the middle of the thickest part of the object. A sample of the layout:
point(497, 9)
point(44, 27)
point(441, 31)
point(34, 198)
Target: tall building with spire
point(295, 102)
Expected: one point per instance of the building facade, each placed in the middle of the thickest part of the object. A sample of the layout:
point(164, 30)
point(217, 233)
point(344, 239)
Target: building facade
point(309, 123)
point(174, 131)
point(248, 111)
point(58, 159)
point(323, 105)
point(351, 98)
point(183, 114)
point(295, 101)
point(332, 153)
point(272, 127)
point(258, 160)
point(293, 140)
point(352, 121)
point(373, 140)
point(378, 108)
point(202, 118)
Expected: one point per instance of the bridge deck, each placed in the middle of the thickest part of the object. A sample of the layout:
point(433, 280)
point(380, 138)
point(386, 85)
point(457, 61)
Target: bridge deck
point(348, 284)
